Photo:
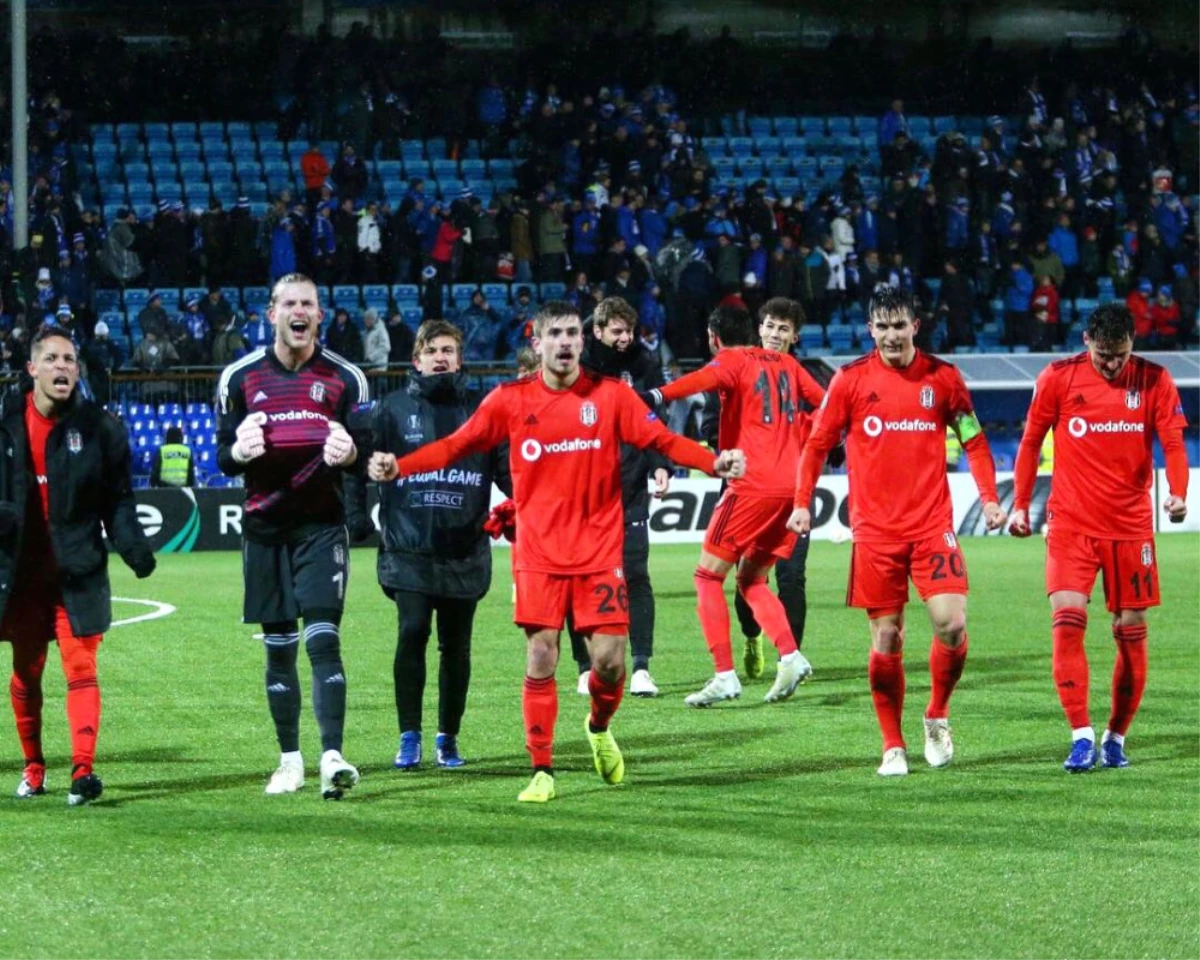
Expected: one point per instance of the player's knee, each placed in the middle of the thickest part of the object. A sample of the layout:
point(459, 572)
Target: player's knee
point(703, 578)
point(951, 628)
point(542, 656)
point(322, 637)
point(746, 581)
point(888, 638)
point(1129, 618)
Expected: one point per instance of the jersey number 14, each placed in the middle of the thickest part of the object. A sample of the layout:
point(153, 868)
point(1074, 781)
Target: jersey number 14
point(787, 407)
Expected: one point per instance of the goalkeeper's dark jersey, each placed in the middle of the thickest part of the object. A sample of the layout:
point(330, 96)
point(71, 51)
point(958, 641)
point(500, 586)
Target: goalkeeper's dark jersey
point(290, 491)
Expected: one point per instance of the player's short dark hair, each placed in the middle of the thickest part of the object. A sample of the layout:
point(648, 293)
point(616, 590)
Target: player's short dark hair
point(45, 332)
point(888, 301)
point(733, 326)
point(783, 308)
point(291, 278)
point(174, 435)
point(430, 329)
point(614, 308)
point(553, 310)
point(1110, 323)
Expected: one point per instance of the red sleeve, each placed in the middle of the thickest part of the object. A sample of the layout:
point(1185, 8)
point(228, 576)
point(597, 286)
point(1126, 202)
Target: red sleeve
point(486, 428)
point(1043, 409)
point(1169, 424)
point(721, 372)
point(983, 467)
point(831, 420)
point(642, 428)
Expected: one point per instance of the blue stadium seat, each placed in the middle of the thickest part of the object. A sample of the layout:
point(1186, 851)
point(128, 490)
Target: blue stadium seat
point(787, 186)
point(405, 293)
point(750, 167)
point(768, 146)
point(101, 133)
point(389, 170)
point(435, 148)
point(212, 130)
point(266, 130)
point(758, 126)
point(848, 144)
point(197, 192)
point(461, 293)
point(164, 169)
point(450, 189)
point(805, 167)
point(501, 167)
point(141, 193)
point(840, 126)
point(418, 167)
point(831, 166)
point(220, 170)
point(776, 167)
point(412, 149)
point(136, 172)
point(257, 296)
point(786, 126)
point(272, 151)
point(552, 291)
point(473, 169)
point(188, 153)
point(249, 170)
point(106, 299)
point(128, 131)
point(919, 127)
point(741, 146)
point(159, 150)
point(811, 335)
point(183, 131)
point(944, 124)
point(496, 293)
point(166, 190)
point(214, 151)
point(412, 317)
point(812, 126)
point(445, 169)
point(375, 295)
point(794, 146)
point(347, 296)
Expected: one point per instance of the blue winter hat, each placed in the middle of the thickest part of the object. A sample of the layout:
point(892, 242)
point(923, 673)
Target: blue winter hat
point(1166, 291)
point(995, 120)
point(1145, 286)
point(465, 193)
point(429, 272)
point(193, 302)
point(962, 202)
point(65, 311)
point(607, 110)
point(634, 166)
point(164, 205)
point(691, 203)
point(78, 238)
point(243, 203)
point(1180, 270)
point(698, 253)
point(1006, 196)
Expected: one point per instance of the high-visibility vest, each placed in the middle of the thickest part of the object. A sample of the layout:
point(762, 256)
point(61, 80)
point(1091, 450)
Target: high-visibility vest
point(954, 450)
point(1046, 460)
point(176, 459)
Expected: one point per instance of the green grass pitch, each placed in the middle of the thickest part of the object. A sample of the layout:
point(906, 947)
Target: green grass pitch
point(742, 831)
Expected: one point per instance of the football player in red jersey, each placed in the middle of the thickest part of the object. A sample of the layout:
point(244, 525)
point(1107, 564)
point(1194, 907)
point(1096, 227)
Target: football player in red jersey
point(565, 428)
point(1104, 406)
point(760, 391)
point(894, 405)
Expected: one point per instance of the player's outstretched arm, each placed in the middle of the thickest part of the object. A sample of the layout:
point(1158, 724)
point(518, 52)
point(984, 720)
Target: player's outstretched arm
point(1038, 422)
point(642, 428)
point(1169, 424)
point(698, 381)
point(484, 429)
point(831, 421)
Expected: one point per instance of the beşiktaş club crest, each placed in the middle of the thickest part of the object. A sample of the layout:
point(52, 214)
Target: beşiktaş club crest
point(927, 397)
point(950, 539)
point(414, 422)
point(587, 413)
point(1133, 399)
point(1147, 555)
point(317, 392)
point(74, 441)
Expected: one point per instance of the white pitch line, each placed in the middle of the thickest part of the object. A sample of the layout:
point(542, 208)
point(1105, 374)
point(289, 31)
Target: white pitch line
point(160, 610)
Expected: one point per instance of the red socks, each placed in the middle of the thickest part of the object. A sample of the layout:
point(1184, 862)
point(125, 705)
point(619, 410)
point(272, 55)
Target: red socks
point(945, 667)
point(83, 699)
point(606, 697)
point(25, 691)
point(770, 614)
point(1129, 676)
point(539, 704)
point(886, 674)
point(714, 617)
point(1070, 664)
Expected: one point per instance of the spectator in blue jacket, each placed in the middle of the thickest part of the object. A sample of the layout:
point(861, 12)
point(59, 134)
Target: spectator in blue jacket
point(652, 315)
point(625, 218)
point(585, 235)
point(1065, 243)
point(957, 226)
point(1171, 218)
point(654, 226)
point(493, 109)
point(1003, 217)
point(283, 250)
point(481, 326)
point(1017, 299)
point(866, 224)
point(892, 123)
point(756, 259)
point(258, 331)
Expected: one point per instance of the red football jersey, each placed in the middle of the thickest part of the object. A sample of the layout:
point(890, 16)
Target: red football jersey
point(565, 458)
point(1103, 461)
point(895, 423)
point(761, 415)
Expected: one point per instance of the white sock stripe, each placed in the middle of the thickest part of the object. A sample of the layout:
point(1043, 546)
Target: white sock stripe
point(280, 639)
point(316, 629)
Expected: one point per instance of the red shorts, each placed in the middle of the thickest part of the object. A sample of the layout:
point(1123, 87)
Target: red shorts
point(743, 525)
point(879, 572)
point(597, 602)
point(1129, 567)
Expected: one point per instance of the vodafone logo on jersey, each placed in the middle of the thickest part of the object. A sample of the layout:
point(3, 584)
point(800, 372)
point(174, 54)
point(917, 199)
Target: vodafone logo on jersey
point(291, 415)
point(873, 426)
point(1078, 427)
point(532, 450)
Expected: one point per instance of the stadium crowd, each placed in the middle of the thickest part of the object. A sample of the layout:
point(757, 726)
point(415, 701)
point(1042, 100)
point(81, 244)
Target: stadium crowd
point(1090, 194)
